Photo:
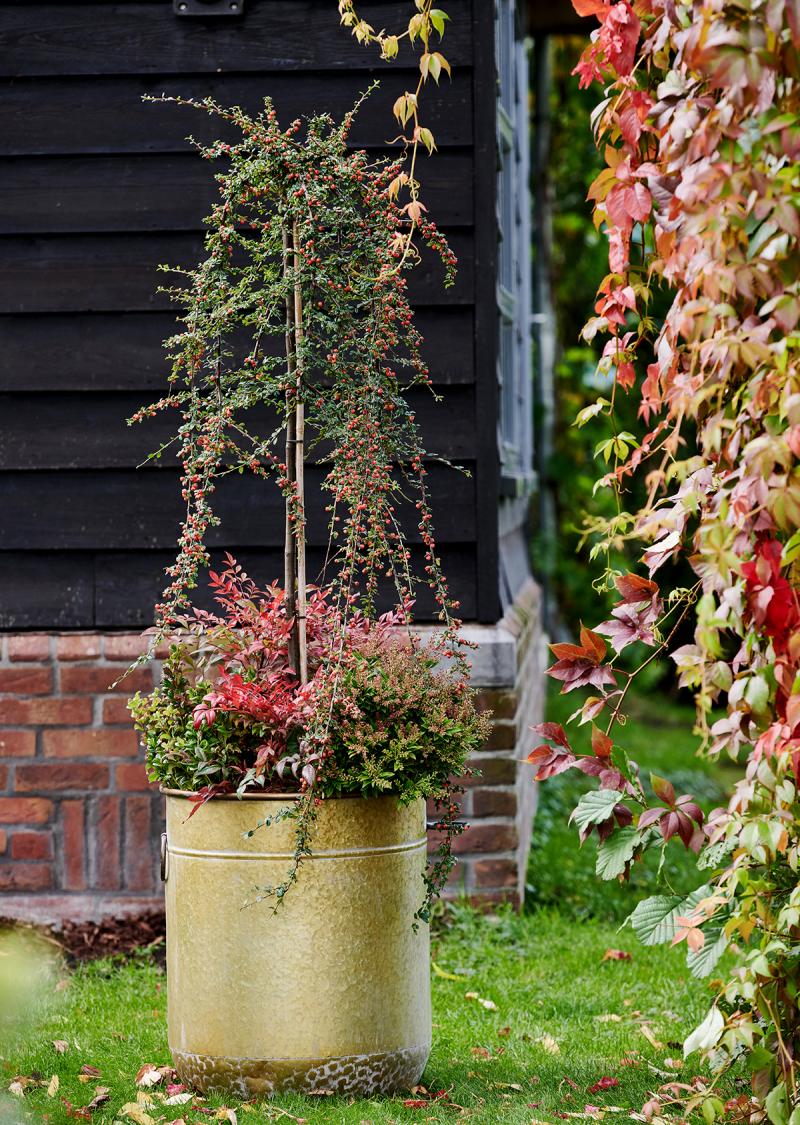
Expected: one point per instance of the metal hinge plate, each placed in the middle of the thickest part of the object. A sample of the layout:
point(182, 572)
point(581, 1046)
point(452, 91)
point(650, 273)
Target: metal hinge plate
point(208, 9)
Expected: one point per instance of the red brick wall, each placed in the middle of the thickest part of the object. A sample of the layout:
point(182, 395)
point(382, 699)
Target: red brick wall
point(80, 827)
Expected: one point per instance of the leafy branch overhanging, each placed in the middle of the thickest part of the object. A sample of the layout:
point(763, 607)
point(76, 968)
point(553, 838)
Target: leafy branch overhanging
point(700, 126)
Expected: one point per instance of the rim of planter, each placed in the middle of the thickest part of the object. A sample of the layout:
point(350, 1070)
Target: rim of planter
point(287, 796)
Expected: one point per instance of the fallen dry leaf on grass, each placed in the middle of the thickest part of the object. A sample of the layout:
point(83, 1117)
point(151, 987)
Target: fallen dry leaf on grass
point(226, 1114)
point(647, 1032)
point(52, 1086)
point(179, 1099)
point(136, 1113)
point(60, 1046)
point(549, 1044)
point(480, 1052)
point(504, 1032)
point(443, 973)
point(17, 1086)
point(78, 1111)
point(88, 1073)
point(101, 1095)
point(488, 1004)
point(603, 1083)
point(151, 1075)
point(609, 1017)
point(616, 955)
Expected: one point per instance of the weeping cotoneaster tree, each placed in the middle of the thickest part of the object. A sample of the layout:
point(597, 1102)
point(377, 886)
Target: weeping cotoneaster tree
point(299, 314)
point(298, 341)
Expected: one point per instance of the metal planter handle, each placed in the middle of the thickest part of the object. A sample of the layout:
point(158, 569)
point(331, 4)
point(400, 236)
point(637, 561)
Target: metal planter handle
point(164, 853)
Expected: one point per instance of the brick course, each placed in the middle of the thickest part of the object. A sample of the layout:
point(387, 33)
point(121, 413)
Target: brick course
point(67, 838)
point(80, 825)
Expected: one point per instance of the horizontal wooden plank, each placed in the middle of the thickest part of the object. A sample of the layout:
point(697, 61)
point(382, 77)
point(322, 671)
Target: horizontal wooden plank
point(55, 195)
point(106, 590)
point(52, 590)
point(106, 114)
point(557, 17)
point(99, 273)
point(89, 430)
point(131, 38)
point(128, 585)
point(130, 510)
point(122, 351)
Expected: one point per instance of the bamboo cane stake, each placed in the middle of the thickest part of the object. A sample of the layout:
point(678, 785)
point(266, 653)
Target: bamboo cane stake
point(299, 435)
point(289, 542)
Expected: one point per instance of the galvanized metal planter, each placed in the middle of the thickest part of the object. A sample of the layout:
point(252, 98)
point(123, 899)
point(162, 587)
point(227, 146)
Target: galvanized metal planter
point(330, 993)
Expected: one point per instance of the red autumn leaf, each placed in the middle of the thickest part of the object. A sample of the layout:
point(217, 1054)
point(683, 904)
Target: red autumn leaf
point(631, 622)
point(565, 651)
point(602, 745)
point(603, 1083)
point(581, 673)
point(550, 761)
point(663, 789)
point(592, 644)
point(634, 588)
point(554, 732)
point(590, 7)
point(625, 374)
point(616, 955)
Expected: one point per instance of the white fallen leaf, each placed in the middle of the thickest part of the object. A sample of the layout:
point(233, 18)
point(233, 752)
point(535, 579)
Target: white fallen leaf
point(135, 1112)
point(17, 1088)
point(60, 1046)
point(179, 1099)
point(149, 1075)
point(549, 1044)
point(488, 1004)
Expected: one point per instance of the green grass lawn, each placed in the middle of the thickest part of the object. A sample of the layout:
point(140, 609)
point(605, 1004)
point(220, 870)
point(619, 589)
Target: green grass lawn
point(658, 735)
point(561, 1018)
point(564, 1019)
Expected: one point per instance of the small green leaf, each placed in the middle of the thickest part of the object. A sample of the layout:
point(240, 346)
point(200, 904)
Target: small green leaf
point(654, 919)
point(777, 1105)
point(595, 807)
point(438, 18)
point(615, 853)
point(703, 961)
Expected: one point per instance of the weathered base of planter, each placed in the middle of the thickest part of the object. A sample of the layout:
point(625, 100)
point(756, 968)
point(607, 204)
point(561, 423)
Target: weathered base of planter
point(365, 1075)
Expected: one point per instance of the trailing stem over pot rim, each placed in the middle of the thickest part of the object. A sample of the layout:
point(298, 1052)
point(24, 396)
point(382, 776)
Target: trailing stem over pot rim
point(300, 687)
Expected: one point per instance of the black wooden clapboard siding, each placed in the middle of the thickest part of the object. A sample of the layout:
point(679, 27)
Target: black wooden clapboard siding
point(88, 430)
point(58, 116)
point(58, 195)
point(146, 38)
point(99, 188)
point(123, 509)
point(118, 272)
point(122, 351)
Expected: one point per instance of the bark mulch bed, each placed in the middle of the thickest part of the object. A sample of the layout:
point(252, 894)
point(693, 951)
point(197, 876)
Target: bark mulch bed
point(86, 941)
